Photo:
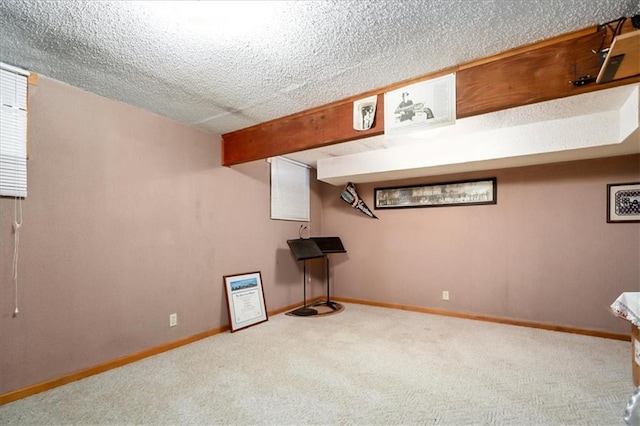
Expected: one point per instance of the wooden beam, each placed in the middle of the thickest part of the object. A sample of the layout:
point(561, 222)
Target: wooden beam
point(536, 75)
point(529, 74)
point(314, 128)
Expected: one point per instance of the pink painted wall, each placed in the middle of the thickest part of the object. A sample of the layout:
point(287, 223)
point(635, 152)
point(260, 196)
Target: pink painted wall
point(544, 253)
point(130, 217)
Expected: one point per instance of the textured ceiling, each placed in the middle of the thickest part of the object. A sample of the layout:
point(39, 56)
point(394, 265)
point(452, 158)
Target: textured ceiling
point(224, 66)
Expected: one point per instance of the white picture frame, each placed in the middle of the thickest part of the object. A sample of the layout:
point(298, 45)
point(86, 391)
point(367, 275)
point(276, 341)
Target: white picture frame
point(364, 113)
point(420, 106)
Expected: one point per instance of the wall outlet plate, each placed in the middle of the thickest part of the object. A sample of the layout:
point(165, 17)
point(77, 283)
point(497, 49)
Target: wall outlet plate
point(173, 320)
point(445, 295)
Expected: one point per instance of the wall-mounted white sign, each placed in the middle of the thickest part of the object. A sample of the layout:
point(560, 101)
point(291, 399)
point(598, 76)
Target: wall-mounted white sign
point(421, 106)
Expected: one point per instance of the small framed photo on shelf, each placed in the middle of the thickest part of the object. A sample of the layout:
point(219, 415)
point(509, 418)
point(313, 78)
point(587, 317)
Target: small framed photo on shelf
point(245, 300)
point(623, 202)
point(364, 113)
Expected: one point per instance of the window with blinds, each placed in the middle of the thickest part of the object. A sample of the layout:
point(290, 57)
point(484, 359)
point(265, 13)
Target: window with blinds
point(290, 193)
point(13, 131)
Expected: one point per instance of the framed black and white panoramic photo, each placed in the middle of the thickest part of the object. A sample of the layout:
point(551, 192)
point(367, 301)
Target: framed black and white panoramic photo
point(460, 193)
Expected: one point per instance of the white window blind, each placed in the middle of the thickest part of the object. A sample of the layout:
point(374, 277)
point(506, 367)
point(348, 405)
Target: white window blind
point(289, 190)
point(13, 131)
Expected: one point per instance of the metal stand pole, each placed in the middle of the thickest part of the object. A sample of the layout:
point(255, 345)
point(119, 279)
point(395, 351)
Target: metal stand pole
point(304, 311)
point(327, 302)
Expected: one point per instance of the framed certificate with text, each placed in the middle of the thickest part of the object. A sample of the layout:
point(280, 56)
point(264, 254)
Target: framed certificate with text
point(245, 300)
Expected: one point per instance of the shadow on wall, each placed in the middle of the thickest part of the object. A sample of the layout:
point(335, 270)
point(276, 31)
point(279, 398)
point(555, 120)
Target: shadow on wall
point(288, 271)
point(224, 309)
point(253, 171)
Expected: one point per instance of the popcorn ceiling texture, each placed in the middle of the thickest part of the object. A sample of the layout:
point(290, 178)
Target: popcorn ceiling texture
point(226, 69)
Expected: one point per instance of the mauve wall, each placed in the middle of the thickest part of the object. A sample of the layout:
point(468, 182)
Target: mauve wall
point(544, 253)
point(130, 217)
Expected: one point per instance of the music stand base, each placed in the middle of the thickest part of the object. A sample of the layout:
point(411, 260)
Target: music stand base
point(333, 305)
point(304, 312)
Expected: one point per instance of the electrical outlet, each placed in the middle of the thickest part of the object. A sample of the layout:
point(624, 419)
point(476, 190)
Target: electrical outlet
point(173, 320)
point(445, 295)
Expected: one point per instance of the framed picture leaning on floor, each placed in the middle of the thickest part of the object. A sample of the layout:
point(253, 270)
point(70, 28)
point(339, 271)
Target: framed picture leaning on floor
point(245, 300)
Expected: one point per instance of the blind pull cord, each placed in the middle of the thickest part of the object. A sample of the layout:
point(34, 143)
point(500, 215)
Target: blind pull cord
point(17, 223)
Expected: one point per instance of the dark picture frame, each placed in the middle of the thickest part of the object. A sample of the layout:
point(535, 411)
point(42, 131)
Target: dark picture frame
point(623, 202)
point(458, 193)
point(245, 300)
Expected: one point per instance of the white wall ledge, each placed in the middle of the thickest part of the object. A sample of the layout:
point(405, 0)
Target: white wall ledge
point(592, 125)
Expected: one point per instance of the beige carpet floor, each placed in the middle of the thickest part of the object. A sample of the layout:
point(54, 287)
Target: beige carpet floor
point(366, 365)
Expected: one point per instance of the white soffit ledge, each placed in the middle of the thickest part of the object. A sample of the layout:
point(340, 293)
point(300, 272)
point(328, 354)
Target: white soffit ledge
point(592, 125)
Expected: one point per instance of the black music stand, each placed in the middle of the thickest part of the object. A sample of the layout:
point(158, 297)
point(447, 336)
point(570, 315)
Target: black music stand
point(304, 249)
point(328, 245)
